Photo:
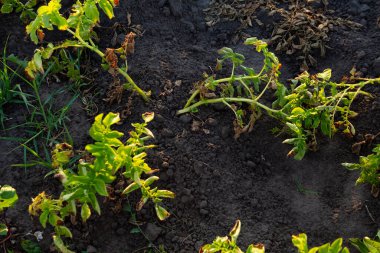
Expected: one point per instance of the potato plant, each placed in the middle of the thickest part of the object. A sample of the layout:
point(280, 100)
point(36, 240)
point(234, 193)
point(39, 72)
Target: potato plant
point(228, 244)
point(310, 104)
point(84, 16)
point(369, 167)
point(8, 197)
point(109, 157)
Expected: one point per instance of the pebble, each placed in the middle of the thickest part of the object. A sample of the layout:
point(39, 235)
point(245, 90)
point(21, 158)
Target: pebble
point(203, 211)
point(185, 118)
point(225, 132)
point(203, 204)
point(91, 249)
point(251, 164)
point(152, 231)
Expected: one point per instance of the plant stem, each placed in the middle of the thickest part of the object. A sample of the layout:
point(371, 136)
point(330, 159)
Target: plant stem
point(122, 72)
point(230, 99)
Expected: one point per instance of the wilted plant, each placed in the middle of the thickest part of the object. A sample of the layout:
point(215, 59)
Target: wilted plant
point(369, 167)
point(108, 156)
point(312, 102)
point(228, 244)
point(8, 197)
point(80, 23)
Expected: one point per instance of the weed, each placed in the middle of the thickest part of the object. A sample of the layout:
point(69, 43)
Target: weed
point(94, 173)
point(10, 92)
point(369, 167)
point(80, 23)
point(313, 103)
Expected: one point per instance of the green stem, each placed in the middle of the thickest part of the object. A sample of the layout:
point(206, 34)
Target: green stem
point(190, 100)
point(230, 99)
point(122, 72)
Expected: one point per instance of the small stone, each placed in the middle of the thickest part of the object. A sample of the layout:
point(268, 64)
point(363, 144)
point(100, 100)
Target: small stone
point(225, 132)
point(91, 249)
point(152, 231)
point(203, 211)
point(203, 204)
point(185, 199)
point(165, 165)
point(185, 118)
point(211, 122)
point(251, 164)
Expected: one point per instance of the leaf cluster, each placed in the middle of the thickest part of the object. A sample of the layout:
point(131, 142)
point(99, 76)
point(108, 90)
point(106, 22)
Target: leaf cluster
point(228, 244)
point(369, 167)
point(108, 156)
point(27, 9)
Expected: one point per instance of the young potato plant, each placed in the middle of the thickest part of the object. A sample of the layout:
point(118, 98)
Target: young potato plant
point(8, 197)
point(228, 244)
point(84, 16)
point(26, 9)
point(369, 167)
point(300, 242)
point(109, 158)
point(311, 104)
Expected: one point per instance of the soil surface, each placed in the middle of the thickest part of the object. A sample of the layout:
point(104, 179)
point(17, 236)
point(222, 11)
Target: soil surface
point(216, 178)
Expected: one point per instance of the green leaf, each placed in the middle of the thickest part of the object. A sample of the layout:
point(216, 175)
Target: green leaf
point(64, 231)
point(256, 248)
point(85, 212)
point(110, 119)
point(300, 242)
point(3, 229)
point(150, 180)
point(91, 10)
point(107, 7)
point(44, 218)
point(130, 188)
point(60, 245)
point(161, 212)
point(235, 231)
point(100, 187)
point(6, 8)
point(148, 117)
point(165, 194)
point(8, 197)
point(325, 75)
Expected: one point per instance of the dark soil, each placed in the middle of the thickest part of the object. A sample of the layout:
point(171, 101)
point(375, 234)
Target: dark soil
point(216, 179)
